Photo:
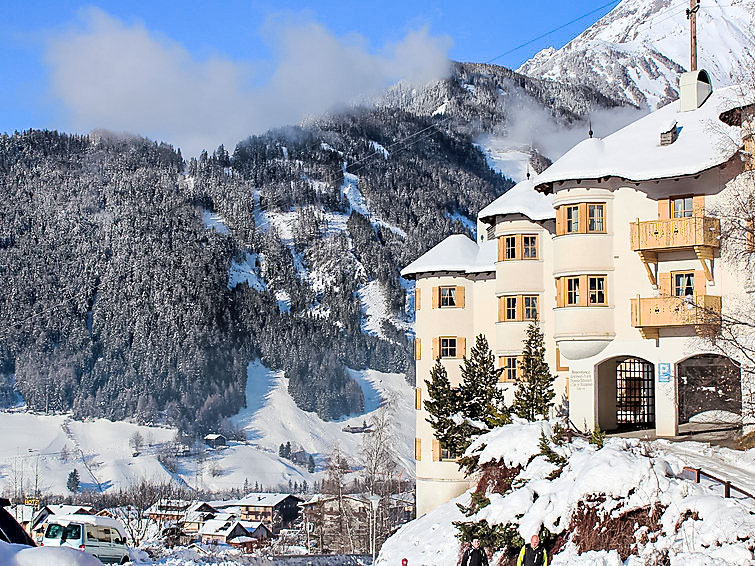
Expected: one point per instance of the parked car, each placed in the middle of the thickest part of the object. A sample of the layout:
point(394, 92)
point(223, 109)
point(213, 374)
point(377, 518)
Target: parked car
point(10, 530)
point(102, 537)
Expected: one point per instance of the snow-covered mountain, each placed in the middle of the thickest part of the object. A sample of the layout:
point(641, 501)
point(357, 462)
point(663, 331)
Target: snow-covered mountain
point(637, 51)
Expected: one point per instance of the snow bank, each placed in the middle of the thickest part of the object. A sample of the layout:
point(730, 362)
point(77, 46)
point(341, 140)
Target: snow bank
point(19, 555)
point(694, 525)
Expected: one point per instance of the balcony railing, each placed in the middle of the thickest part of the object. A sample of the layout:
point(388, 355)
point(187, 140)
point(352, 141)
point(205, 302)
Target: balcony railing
point(658, 312)
point(675, 233)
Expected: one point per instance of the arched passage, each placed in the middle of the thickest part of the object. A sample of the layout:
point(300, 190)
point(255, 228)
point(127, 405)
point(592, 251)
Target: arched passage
point(708, 382)
point(626, 393)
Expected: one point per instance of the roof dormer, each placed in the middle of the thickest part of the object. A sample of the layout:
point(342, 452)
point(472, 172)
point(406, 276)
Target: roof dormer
point(694, 89)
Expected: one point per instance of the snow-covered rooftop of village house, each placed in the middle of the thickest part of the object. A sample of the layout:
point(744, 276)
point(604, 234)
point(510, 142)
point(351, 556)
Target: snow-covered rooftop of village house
point(263, 499)
point(456, 253)
point(522, 198)
point(635, 152)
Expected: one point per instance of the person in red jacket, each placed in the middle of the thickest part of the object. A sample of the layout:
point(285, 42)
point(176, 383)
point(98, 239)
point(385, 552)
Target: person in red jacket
point(474, 555)
point(533, 554)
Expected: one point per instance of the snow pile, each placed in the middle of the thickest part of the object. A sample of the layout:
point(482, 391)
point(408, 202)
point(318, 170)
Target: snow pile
point(20, 555)
point(627, 487)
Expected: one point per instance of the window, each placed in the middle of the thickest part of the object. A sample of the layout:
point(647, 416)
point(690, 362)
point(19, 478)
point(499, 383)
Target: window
point(446, 453)
point(448, 296)
point(509, 365)
point(448, 347)
point(597, 290)
point(683, 284)
point(572, 291)
point(509, 244)
point(681, 207)
point(595, 215)
point(510, 308)
point(529, 247)
point(530, 307)
point(572, 219)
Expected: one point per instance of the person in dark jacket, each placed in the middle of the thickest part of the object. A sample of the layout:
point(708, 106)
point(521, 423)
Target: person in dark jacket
point(533, 554)
point(474, 555)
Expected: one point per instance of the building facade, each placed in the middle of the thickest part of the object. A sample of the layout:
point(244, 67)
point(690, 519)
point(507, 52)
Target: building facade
point(615, 251)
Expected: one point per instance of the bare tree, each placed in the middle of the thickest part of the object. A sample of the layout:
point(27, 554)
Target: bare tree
point(376, 455)
point(136, 441)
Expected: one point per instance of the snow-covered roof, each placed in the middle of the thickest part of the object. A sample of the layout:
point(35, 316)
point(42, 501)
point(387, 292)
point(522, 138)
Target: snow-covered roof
point(455, 253)
point(22, 513)
point(522, 198)
point(264, 499)
point(218, 527)
point(635, 153)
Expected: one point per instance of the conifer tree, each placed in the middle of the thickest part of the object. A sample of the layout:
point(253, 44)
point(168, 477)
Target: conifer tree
point(534, 394)
point(73, 482)
point(481, 399)
point(442, 403)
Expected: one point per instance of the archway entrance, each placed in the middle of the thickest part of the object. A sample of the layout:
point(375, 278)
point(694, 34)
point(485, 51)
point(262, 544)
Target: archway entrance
point(626, 394)
point(709, 382)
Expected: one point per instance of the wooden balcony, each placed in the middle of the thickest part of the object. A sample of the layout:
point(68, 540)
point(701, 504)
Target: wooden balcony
point(698, 233)
point(652, 314)
point(675, 233)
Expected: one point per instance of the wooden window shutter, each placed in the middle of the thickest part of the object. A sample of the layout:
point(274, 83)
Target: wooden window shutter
point(501, 309)
point(519, 362)
point(699, 282)
point(664, 284)
point(436, 348)
point(436, 450)
point(417, 299)
point(500, 248)
point(664, 209)
point(417, 348)
point(698, 205)
point(418, 398)
point(583, 218)
point(559, 220)
point(461, 347)
point(418, 449)
point(519, 253)
point(460, 296)
point(559, 294)
point(436, 296)
point(519, 308)
point(583, 290)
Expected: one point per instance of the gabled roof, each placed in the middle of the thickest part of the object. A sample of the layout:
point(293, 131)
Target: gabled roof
point(634, 152)
point(522, 198)
point(219, 527)
point(456, 253)
point(264, 499)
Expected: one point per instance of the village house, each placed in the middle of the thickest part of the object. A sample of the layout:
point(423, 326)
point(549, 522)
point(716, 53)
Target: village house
point(219, 531)
point(215, 440)
point(276, 510)
point(168, 511)
point(197, 514)
point(614, 250)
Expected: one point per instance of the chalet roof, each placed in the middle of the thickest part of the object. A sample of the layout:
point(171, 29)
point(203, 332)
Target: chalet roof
point(219, 527)
point(214, 436)
point(264, 499)
point(522, 198)
point(456, 253)
point(634, 152)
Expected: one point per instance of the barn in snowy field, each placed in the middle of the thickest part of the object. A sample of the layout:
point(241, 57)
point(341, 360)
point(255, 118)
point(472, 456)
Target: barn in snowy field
point(615, 250)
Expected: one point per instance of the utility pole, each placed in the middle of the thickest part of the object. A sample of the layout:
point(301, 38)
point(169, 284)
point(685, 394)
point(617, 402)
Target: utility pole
point(694, 6)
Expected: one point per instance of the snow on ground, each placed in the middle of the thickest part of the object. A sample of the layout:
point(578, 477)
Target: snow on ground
point(374, 308)
point(20, 555)
point(698, 526)
point(379, 149)
point(271, 417)
point(246, 271)
point(214, 221)
point(355, 197)
point(506, 156)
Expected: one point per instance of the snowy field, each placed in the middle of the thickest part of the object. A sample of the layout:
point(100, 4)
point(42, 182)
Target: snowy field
point(44, 449)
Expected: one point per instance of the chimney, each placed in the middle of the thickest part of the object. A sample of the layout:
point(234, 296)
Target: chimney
point(669, 133)
point(694, 89)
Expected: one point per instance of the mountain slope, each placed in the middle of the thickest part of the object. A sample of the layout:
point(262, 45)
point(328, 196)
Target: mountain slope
point(637, 51)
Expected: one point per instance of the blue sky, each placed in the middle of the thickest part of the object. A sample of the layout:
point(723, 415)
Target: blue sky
point(120, 65)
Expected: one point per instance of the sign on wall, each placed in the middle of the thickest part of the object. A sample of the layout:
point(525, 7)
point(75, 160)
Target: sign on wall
point(664, 372)
point(580, 380)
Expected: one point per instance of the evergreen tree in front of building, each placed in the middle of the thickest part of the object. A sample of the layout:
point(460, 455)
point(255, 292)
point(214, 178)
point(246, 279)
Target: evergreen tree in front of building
point(534, 394)
point(442, 404)
point(481, 399)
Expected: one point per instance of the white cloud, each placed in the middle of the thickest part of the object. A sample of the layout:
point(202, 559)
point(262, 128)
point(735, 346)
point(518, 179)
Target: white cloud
point(125, 78)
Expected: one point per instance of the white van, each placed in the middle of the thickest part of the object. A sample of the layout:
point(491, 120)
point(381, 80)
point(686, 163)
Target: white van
point(102, 537)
